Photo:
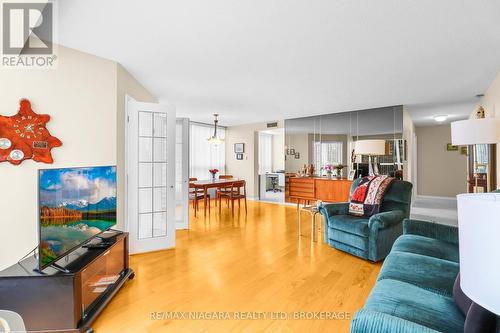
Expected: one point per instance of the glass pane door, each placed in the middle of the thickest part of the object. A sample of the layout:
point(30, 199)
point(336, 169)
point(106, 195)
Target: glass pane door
point(150, 183)
point(152, 174)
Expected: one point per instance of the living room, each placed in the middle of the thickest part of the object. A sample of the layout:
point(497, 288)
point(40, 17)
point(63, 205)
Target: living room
point(249, 166)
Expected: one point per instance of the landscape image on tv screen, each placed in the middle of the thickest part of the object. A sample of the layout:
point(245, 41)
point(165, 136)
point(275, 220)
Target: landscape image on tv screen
point(75, 205)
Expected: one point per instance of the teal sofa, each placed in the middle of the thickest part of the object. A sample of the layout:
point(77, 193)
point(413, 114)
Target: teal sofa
point(369, 238)
point(414, 290)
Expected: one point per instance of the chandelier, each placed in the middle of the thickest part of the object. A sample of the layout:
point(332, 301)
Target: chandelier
point(214, 139)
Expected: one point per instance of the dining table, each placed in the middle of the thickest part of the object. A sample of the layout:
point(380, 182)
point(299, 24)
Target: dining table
point(211, 183)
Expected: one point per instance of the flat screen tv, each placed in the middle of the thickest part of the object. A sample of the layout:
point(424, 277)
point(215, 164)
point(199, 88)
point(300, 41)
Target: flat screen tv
point(75, 205)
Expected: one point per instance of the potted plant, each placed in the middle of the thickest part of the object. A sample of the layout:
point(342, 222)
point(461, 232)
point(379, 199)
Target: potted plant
point(213, 172)
point(339, 168)
point(329, 170)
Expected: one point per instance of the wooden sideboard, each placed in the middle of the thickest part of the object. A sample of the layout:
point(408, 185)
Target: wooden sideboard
point(303, 189)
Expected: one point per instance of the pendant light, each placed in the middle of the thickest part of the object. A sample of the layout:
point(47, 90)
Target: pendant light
point(214, 139)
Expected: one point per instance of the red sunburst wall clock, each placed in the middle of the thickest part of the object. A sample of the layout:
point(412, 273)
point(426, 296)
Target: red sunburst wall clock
point(24, 136)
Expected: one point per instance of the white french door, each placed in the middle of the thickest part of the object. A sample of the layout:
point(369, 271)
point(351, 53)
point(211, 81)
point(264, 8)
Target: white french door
point(182, 174)
point(150, 185)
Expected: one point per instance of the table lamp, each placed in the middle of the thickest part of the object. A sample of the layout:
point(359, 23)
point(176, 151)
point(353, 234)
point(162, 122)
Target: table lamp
point(479, 231)
point(475, 132)
point(370, 148)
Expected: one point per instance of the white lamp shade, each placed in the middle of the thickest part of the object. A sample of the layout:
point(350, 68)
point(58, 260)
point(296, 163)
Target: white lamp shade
point(369, 147)
point(475, 131)
point(479, 234)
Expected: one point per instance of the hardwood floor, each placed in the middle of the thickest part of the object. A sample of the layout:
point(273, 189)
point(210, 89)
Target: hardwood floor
point(243, 264)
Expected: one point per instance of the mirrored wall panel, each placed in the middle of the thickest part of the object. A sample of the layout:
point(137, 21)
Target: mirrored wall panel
point(346, 145)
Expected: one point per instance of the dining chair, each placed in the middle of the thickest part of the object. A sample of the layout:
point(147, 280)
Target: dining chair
point(218, 190)
point(196, 194)
point(232, 193)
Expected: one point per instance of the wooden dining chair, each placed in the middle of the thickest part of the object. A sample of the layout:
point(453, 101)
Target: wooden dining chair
point(232, 193)
point(218, 190)
point(195, 195)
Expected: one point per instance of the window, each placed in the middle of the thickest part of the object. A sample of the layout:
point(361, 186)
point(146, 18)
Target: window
point(481, 157)
point(265, 153)
point(204, 156)
point(327, 152)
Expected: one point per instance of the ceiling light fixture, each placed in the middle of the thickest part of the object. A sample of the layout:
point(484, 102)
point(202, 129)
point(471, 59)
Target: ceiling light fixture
point(441, 118)
point(214, 139)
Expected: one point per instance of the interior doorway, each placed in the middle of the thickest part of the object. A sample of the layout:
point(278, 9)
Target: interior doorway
point(271, 164)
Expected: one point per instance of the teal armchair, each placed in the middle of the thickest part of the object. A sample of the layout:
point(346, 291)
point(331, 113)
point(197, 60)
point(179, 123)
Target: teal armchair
point(369, 238)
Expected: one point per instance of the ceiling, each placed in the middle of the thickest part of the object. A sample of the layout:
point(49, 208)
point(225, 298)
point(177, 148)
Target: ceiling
point(381, 121)
point(260, 60)
point(423, 114)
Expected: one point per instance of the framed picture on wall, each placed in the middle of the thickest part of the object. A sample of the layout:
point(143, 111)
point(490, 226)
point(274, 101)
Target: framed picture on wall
point(292, 151)
point(239, 156)
point(297, 155)
point(351, 175)
point(239, 148)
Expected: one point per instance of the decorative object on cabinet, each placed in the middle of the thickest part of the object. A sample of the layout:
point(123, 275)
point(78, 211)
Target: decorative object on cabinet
point(338, 169)
point(351, 175)
point(25, 136)
point(239, 157)
point(329, 170)
point(239, 148)
point(450, 147)
point(310, 170)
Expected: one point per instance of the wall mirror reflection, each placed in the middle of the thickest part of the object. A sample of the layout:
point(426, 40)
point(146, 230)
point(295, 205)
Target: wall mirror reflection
point(344, 146)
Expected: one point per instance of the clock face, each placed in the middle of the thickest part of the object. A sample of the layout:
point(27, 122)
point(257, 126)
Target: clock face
point(29, 127)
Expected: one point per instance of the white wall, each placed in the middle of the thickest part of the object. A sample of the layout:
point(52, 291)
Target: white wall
point(491, 101)
point(278, 151)
point(81, 98)
point(247, 168)
point(441, 173)
point(126, 84)
point(300, 143)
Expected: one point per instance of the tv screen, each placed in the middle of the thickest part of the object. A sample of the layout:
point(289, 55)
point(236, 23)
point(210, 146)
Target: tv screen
point(75, 205)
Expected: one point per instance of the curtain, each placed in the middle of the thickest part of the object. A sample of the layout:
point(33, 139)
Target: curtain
point(327, 152)
point(265, 153)
point(204, 156)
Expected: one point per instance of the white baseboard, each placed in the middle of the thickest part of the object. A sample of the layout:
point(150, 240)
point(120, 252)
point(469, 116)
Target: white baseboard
point(436, 197)
point(272, 202)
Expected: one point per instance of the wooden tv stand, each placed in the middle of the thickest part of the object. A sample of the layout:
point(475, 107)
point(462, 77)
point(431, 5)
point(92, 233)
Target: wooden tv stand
point(54, 301)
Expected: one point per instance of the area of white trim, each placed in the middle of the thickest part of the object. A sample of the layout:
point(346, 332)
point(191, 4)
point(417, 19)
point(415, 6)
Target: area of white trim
point(436, 197)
